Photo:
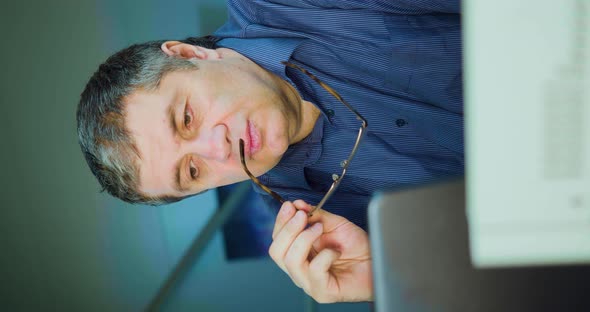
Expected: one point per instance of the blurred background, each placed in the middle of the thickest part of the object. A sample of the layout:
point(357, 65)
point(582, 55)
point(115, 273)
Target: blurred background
point(67, 247)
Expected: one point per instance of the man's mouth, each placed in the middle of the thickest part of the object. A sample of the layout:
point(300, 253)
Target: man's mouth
point(254, 142)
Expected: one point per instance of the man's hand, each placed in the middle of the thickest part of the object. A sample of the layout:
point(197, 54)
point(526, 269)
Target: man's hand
point(330, 260)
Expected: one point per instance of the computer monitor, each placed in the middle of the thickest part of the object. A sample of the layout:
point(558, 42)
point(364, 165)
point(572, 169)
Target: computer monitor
point(421, 261)
point(527, 112)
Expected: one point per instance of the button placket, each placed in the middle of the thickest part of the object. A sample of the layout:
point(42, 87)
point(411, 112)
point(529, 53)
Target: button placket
point(330, 113)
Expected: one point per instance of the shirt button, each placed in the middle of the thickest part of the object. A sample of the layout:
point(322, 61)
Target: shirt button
point(401, 122)
point(330, 113)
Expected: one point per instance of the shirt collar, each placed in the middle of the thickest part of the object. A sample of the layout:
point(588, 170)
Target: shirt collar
point(266, 52)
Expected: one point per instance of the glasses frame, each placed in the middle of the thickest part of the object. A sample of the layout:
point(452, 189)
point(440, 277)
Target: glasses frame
point(343, 164)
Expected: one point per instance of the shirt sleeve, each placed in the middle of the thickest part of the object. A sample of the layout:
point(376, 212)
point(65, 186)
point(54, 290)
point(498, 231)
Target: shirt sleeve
point(389, 6)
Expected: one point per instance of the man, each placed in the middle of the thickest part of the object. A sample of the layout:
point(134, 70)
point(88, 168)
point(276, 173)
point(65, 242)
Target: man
point(161, 121)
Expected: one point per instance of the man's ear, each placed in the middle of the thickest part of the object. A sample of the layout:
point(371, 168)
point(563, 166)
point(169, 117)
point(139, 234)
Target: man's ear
point(189, 51)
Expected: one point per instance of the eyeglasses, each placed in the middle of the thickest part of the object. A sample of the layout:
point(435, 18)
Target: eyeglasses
point(344, 163)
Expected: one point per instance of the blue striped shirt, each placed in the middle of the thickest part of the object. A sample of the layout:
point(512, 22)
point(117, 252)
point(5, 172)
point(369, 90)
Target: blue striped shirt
point(398, 62)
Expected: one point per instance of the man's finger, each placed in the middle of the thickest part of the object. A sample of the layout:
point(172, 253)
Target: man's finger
point(296, 258)
point(285, 237)
point(285, 214)
point(329, 220)
point(302, 205)
point(319, 268)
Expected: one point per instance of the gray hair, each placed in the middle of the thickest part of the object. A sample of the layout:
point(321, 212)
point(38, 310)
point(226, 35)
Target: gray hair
point(108, 148)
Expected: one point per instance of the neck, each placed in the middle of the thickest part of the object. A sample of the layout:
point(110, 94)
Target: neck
point(307, 115)
point(310, 114)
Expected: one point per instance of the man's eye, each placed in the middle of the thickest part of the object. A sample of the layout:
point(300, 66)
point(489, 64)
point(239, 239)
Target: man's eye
point(193, 170)
point(187, 118)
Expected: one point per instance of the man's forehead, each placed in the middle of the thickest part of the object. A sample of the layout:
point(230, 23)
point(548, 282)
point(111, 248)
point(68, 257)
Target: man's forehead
point(157, 171)
point(138, 96)
point(148, 126)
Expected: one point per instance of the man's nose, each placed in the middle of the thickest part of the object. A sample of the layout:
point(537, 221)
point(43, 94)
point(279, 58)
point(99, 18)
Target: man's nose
point(212, 143)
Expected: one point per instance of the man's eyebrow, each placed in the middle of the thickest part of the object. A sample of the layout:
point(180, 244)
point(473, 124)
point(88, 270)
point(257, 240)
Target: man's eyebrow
point(177, 178)
point(172, 115)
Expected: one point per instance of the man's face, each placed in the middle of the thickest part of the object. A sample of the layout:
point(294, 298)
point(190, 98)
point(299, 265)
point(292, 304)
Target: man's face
point(187, 131)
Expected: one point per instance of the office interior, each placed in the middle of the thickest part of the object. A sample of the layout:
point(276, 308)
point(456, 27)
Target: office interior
point(68, 247)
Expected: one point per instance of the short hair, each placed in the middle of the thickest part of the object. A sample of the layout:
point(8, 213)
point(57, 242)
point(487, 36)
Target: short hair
point(107, 145)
